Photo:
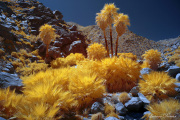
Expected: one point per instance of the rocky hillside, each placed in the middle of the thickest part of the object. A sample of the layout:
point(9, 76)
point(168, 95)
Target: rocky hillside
point(128, 42)
point(19, 26)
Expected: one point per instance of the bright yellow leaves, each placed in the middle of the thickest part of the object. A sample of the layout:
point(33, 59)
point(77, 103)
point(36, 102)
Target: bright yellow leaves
point(153, 58)
point(47, 33)
point(96, 51)
point(157, 85)
point(166, 110)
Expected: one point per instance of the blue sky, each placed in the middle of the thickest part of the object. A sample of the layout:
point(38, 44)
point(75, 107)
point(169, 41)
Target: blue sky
point(153, 19)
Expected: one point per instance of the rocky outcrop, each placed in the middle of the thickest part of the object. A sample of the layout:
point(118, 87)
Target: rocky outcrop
point(20, 22)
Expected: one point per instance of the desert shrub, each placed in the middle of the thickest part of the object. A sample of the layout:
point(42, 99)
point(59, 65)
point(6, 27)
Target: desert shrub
point(70, 60)
point(128, 55)
point(85, 86)
point(96, 51)
point(153, 57)
point(175, 57)
point(121, 74)
point(165, 110)
point(124, 97)
point(113, 114)
point(9, 101)
point(108, 108)
point(97, 116)
point(157, 86)
point(31, 68)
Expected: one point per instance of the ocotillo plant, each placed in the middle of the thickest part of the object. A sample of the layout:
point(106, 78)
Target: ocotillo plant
point(47, 33)
point(121, 21)
point(109, 12)
point(101, 22)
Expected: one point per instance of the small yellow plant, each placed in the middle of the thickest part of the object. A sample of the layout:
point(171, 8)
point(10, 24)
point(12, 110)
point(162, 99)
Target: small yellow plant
point(9, 101)
point(153, 57)
point(113, 114)
point(70, 60)
point(97, 116)
point(157, 86)
point(124, 97)
point(108, 108)
point(166, 110)
point(175, 57)
point(128, 55)
point(96, 51)
point(47, 33)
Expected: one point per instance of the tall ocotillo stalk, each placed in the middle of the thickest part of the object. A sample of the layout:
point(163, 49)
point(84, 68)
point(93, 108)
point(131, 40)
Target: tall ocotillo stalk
point(110, 12)
point(121, 21)
point(100, 20)
point(47, 33)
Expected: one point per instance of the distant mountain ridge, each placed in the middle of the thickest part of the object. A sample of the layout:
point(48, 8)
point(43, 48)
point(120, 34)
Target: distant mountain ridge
point(128, 42)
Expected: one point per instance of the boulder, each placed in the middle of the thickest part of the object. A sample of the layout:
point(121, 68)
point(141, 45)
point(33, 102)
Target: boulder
point(10, 80)
point(144, 99)
point(120, 109)
point(178, 77)
point(173, 71)
point(97, 107)
point(58, 14)
point(78, 47)
point(135, 104)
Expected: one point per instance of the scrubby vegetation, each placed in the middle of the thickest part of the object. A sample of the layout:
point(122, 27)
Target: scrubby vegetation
point(68, 86)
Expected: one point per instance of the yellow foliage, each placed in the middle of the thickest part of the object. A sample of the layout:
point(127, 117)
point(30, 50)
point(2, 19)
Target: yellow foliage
point(85, 86)
point(145, 64)
point(121, 74)
point(96, 51)
point(166, 110)
point(47, 33)
point(113, 114)
point(37, 111)
point(153, 57)
point(100, 20)
point(97, 116)
point(108, 108)
point(9, 101)
point(70, 60)
point(31, 68)
point(175, 57)
point(120, 22)
point(124, 97)
point(157, 85)
point(128, 55)
point(109, 11)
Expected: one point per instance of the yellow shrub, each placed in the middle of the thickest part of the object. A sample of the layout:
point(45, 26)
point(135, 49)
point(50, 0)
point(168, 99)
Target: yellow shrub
point(9, 101)
point(32, 68)
point(113, 114)
point(166, 110)
point(128, 55)
point(153, 57)
point(85, 86)
point(96, 51)
point(70, 60)
point(175, 57)
point(97, 116)
point(108, 108)
point(121, 74)
point(47, 33)
point(14, 54)
point(157, 85)
point(124, 97)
